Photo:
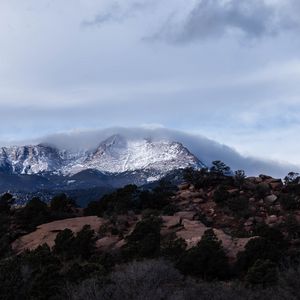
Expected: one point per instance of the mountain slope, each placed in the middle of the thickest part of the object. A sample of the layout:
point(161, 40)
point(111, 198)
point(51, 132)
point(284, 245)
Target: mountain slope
point(114, 155)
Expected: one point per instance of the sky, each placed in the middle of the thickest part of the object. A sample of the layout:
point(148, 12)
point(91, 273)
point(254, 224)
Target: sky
point(228, 70)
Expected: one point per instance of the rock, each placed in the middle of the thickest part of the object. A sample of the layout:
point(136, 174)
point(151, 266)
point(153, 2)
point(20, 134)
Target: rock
point(233, 191)
point(107, 242)
point(259, 220)
point(248, 223)
point(249, 186)
point(258, 180)
point(198, 200)
point(187, 215)
point(271, 199)
point(265, 177)
point(184, 186)
point(272, 219)
point(276, 185)
point(251, 179)
point(186, 194)
point(171, 221)
point(192, 188)
point(46, 233)
point(252, 200)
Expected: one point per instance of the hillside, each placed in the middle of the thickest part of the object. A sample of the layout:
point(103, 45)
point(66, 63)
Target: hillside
point(212, 227)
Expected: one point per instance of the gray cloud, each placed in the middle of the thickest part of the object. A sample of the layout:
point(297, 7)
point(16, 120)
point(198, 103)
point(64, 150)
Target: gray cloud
point(117, 13)
point(216, 18)
point(205, 149)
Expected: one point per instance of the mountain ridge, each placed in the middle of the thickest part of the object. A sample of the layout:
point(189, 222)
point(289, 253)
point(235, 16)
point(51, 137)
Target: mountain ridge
point(115, 154)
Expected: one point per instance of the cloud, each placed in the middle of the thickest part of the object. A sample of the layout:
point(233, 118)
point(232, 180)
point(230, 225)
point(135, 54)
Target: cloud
point(205, 149)
point(216, 18)
point(117, 13)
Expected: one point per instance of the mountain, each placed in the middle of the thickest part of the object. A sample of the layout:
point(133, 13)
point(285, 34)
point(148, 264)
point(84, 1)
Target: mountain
point(115, 162)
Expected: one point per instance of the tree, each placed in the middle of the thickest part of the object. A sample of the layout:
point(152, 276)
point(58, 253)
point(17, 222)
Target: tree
point(35, 212)
point(289, 202)
point(173, 248)
point(144, 241)
point(291, 178)
point(239, 178)
point(219, 168)
point(271, 247)
point(64, 244)
point(263, 272)
point(85, 242)
point(221, 195)
point(207, 260)
point(62, 204)
point(118, 202)
point(6, 200)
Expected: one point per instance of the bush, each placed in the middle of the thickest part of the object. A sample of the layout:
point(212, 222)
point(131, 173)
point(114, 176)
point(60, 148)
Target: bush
point(151, 279)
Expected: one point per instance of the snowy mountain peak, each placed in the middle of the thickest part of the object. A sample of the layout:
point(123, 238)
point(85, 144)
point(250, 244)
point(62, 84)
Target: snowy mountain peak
point(116, 154)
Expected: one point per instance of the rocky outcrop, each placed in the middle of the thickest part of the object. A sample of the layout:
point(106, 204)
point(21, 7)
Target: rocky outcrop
point(46, 233)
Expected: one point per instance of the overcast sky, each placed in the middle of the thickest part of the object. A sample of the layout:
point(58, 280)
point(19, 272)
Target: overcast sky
point(228, 70)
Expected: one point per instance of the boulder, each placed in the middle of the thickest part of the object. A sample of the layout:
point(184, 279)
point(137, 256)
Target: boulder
point(171, 221)
point(184, 186)
point(187, 215)
point(46, 233)
point(271, 199)
point(272, 219)
point(107, 242)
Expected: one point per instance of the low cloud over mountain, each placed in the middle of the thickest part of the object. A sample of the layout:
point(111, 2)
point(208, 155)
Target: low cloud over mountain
point(205, 149)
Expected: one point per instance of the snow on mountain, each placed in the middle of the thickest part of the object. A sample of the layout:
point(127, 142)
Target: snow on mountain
point(114, 155)
point(30, 159)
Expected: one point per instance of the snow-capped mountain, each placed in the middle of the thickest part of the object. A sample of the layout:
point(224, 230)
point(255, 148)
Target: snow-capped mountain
point(30, 159)
point(113, 155)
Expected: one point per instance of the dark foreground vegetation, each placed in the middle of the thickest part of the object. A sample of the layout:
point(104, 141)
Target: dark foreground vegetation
point(152, 262)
